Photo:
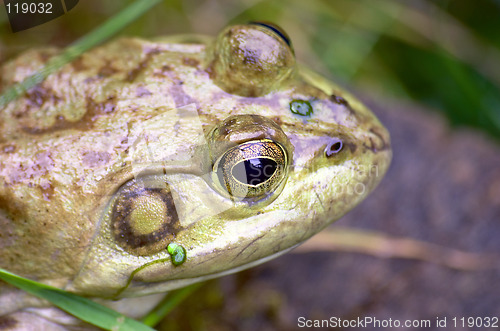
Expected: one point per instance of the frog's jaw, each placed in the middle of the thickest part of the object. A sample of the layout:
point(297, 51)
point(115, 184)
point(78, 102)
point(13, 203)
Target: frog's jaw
point(145, 288)
point(231, 253)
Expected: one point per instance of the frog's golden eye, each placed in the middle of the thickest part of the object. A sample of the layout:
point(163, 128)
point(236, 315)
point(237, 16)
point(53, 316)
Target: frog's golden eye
point(276, 29)
point(250, 156)
point(143, 218)
point(334, 147)
point(251, 169)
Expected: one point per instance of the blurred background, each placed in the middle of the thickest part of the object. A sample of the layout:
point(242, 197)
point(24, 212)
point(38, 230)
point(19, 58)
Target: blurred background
point(425, 245)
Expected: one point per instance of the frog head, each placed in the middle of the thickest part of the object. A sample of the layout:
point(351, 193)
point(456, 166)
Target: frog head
point(145, 166)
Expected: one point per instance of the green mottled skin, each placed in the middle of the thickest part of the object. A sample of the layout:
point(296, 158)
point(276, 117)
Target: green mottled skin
point(138, 106)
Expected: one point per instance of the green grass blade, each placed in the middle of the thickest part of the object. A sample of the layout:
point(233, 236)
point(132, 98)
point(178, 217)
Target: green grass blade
point(166, 305)
point(83, 308)
point(106, 30)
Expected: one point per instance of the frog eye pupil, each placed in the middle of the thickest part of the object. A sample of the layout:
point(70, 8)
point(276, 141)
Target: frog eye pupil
point(276, 29)
point(334, 148)
point(251, 170)
point(254, 171)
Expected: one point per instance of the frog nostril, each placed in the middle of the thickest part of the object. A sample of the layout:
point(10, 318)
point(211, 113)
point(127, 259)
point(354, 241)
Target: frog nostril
point(334, 147)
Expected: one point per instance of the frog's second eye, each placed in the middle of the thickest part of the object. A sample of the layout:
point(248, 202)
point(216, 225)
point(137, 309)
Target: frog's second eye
point(251, 169)
point(252, 60)
point(276, 29)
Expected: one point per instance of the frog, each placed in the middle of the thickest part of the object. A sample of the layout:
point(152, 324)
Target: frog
point(147, 165)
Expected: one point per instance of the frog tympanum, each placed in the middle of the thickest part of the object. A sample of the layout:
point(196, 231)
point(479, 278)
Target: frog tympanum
point(226, 152)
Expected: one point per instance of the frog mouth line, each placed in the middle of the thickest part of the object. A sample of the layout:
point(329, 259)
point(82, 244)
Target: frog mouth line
point(203, 277)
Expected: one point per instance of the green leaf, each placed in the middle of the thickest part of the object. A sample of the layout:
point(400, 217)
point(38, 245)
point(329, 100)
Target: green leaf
point(168, 303)
point(83, 308)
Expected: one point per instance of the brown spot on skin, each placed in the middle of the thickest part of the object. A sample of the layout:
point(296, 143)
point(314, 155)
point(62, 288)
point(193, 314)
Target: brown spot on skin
point(38, 95)
point(93, 159)
point(18, 114)
point(13, 210)
point(43, 163)
point(190, 62)
point(163, 71)
point(47, 190)
point(94, 111)
point(132, 74)
point(59, 124)
point(7, 322)
point(107, 70)
point(343, 102)
point(339, 100)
